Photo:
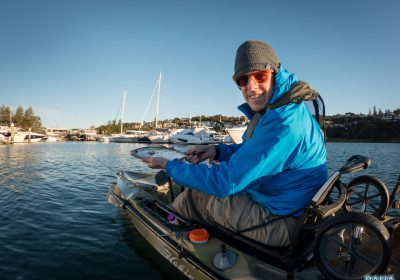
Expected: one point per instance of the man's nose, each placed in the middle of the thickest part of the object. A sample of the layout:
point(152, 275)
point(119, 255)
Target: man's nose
point(252, 83)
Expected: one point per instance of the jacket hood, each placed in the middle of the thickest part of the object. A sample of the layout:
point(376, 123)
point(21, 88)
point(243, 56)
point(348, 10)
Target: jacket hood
point(283, 82)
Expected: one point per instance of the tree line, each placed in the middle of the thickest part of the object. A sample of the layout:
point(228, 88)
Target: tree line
point(356, 127)
point(20, 118)
point(349, 126)
point(381, 113)
point(219, 122)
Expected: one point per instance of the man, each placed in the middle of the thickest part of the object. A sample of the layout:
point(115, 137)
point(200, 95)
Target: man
point(275, 171)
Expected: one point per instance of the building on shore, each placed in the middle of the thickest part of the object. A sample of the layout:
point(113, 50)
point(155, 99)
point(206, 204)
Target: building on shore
point(56, 133)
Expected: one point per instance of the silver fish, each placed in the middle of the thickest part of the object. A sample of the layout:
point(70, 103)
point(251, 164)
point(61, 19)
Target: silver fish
point(156, 151)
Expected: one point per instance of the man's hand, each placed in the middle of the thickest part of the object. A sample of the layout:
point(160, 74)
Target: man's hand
point(155, 162)
point(199, 153)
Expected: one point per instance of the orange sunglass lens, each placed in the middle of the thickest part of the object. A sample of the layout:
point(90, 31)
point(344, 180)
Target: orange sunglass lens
point(242, 81)
point(260, 77)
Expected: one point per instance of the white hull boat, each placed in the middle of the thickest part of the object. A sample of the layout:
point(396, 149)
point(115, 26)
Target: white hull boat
point(197, 135)
point(236, 133)
point(26, 137)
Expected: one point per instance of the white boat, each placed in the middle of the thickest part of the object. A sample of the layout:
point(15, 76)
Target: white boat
point(157, 136)
point(5, 132)
point(20, 136)
point(88, 134)
point(221, 138)
point(156, 89)
point(51, 139)
point(236, 133)
point(56, 134)
point(26, 137)
point(131, 136)
point(3, 139)
point(103, 138)
point(197, 135)
point(122, 137)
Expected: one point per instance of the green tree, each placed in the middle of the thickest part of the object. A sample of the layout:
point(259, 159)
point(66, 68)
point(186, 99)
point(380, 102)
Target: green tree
point(18, 117)
point(368, 131)
point(5, 114)
point(29, 118)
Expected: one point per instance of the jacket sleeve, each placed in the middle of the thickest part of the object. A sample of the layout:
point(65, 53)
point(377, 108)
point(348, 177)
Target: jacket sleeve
point(266, 153)
point(226, 151)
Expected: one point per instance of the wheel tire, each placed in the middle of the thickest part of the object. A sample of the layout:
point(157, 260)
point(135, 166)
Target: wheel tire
point(376, 198)
point(340, 255)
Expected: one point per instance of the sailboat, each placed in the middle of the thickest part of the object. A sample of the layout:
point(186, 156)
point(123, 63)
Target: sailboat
point(118, 137)
point(130, 136)
point(157, 135)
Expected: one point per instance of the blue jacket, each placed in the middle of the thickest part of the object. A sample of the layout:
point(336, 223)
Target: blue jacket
point(281, 166)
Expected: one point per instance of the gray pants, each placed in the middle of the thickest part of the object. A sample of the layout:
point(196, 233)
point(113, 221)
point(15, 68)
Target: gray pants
point(236, 212)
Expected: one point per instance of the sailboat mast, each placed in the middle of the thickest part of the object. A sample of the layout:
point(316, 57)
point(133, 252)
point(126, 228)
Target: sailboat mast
point(122, 113)
point(158, 100)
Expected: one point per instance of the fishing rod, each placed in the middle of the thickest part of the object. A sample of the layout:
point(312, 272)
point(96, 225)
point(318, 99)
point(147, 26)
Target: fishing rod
point(162, 181)
point(106, 165)
point(121, 174)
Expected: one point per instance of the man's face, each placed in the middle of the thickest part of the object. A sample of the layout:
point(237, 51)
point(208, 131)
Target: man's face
point(257, 88)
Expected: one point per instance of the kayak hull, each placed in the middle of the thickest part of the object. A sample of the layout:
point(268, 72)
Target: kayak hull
point(148, 209)
point(193, 260)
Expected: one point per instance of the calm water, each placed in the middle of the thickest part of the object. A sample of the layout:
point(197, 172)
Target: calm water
point(57, 224)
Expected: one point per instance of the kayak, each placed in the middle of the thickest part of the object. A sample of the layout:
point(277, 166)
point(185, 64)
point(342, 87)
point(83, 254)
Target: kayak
point(200, 252)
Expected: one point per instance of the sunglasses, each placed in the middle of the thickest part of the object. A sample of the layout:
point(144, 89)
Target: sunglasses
point(259, 76)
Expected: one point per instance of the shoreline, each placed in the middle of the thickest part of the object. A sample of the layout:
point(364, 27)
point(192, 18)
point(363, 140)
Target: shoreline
point(362, 140)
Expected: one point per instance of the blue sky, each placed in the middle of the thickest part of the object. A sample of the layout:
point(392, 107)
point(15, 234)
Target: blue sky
point(72, 60)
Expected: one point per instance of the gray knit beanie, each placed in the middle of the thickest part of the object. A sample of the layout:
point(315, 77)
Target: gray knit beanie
point(255, 55)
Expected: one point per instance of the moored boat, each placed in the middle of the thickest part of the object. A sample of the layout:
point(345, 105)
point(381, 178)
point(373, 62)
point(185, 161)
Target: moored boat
point(236, 133)
point(51, 139)
point(3, 139)
point(195, 135)
point(159, 136)
point(26, 137)
point(103, 138)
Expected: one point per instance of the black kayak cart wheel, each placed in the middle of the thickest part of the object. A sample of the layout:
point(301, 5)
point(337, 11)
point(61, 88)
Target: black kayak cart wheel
point(367, 194)
point(352, 245)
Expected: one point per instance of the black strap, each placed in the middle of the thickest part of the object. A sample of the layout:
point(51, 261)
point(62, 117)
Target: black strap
point(300, 91)
point(290, 215)
point(260, 225)
point(316, 107)
point(252, 125)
